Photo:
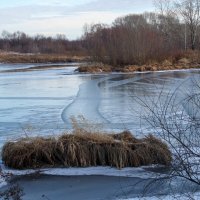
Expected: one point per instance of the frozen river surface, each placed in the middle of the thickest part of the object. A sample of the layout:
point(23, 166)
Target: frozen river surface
point(41, 102)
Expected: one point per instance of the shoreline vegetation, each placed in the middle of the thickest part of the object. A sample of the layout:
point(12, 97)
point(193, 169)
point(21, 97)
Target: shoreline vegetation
point(187, 60)
point(101, 68)
point(86, 147)
point(15, 58)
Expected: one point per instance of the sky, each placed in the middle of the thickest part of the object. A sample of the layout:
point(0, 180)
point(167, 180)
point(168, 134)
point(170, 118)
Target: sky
point(51, 17)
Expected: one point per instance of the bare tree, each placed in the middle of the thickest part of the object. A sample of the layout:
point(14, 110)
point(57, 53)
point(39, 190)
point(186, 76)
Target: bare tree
point(169, 22)
point(164, 7)
point(190, 11)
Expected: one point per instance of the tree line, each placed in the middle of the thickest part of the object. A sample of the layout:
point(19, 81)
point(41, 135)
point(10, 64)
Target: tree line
point(131, 39)
point(143, 38)
point(23, 43)
point(134, 39)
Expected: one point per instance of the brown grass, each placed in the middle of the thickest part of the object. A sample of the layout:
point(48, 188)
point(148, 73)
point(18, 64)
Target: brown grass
point(182, 64)
point(86, 146)
point(95, 68)
point(71, 150)
point(39, 58)
point(183, 60)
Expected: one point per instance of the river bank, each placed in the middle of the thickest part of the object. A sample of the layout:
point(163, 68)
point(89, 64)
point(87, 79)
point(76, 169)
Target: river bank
point(187, 60)
point(14, 57)
point(183, 63)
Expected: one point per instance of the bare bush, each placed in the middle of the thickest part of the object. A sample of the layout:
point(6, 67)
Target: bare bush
point(12, 193)
point(175, 118)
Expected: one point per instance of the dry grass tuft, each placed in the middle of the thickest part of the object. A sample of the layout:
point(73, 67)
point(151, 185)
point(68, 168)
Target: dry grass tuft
point(84, 129)
point(83, 148)
point(71, 150)
point(125, 136)
point(95, 68)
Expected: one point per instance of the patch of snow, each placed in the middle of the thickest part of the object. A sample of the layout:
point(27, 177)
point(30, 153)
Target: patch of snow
point(104, 171)
point(139, 172)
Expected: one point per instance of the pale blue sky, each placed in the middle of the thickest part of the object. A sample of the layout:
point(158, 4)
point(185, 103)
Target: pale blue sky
point(13, 3)
point(67, 17)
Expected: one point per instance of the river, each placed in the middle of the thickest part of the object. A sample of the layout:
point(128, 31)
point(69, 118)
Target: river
point(42, 102)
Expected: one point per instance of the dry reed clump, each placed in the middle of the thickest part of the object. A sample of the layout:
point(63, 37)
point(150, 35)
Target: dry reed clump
point(71, 150)
point(29, 153)
point(83, 148)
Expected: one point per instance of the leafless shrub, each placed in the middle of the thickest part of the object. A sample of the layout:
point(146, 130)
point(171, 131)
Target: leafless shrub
point(175, 118)
point(12, 193)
